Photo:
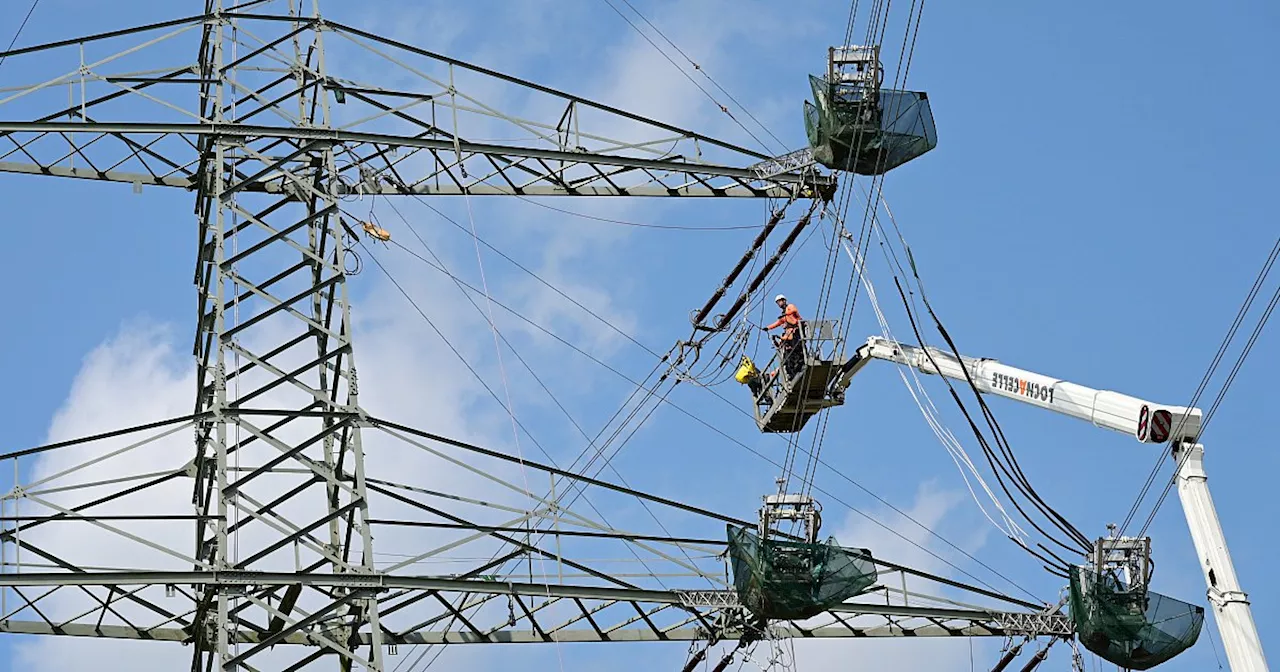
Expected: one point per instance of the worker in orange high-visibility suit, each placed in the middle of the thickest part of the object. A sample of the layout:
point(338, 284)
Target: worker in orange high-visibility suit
point(789, 345)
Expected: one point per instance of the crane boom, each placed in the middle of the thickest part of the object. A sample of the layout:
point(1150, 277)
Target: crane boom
point(1146, 421)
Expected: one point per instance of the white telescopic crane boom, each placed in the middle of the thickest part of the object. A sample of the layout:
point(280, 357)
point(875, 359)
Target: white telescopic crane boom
point(1146, 421)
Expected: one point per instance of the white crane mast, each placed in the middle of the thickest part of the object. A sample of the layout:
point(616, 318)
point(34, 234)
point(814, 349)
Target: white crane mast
point(1146, 421)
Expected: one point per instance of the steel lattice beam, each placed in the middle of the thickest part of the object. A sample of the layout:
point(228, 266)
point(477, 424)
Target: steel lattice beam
point(521, 169)
point(700, 607)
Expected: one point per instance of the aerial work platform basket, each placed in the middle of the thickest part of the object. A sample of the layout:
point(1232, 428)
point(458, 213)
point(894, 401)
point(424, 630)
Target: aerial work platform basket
point(799, 386)
point(856, 126)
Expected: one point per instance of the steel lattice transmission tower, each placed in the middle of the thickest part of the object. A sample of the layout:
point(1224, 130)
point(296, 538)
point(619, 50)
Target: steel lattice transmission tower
point(275, 143)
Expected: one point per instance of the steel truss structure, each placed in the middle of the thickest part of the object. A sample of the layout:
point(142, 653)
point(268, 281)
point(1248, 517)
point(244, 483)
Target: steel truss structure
point(275, 144)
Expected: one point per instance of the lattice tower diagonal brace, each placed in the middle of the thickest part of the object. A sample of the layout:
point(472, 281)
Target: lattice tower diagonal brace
point(323, 314)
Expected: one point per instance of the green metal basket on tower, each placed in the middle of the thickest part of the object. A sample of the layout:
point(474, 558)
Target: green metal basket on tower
point(867, 135)
point(795, 580)
point(1136, 629)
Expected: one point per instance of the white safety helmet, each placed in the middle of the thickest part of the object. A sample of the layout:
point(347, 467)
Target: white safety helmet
point(779, 298)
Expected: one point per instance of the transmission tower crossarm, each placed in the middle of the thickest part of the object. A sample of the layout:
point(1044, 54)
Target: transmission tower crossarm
point(607, 165)
point(696, 605)
point(95, 137)
point(1146, 421)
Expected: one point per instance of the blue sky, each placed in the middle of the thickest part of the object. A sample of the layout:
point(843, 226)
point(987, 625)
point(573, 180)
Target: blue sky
point(1094, 211)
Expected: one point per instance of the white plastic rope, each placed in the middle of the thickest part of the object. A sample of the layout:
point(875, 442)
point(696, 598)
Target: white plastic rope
point(928, 410)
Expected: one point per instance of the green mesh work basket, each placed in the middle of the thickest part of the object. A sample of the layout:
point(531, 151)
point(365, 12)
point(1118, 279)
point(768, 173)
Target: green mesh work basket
point(1137, 630)
point(867, 139)
point(793, 580)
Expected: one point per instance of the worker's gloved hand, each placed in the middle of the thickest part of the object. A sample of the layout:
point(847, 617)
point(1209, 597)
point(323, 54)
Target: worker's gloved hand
point(764, 329)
